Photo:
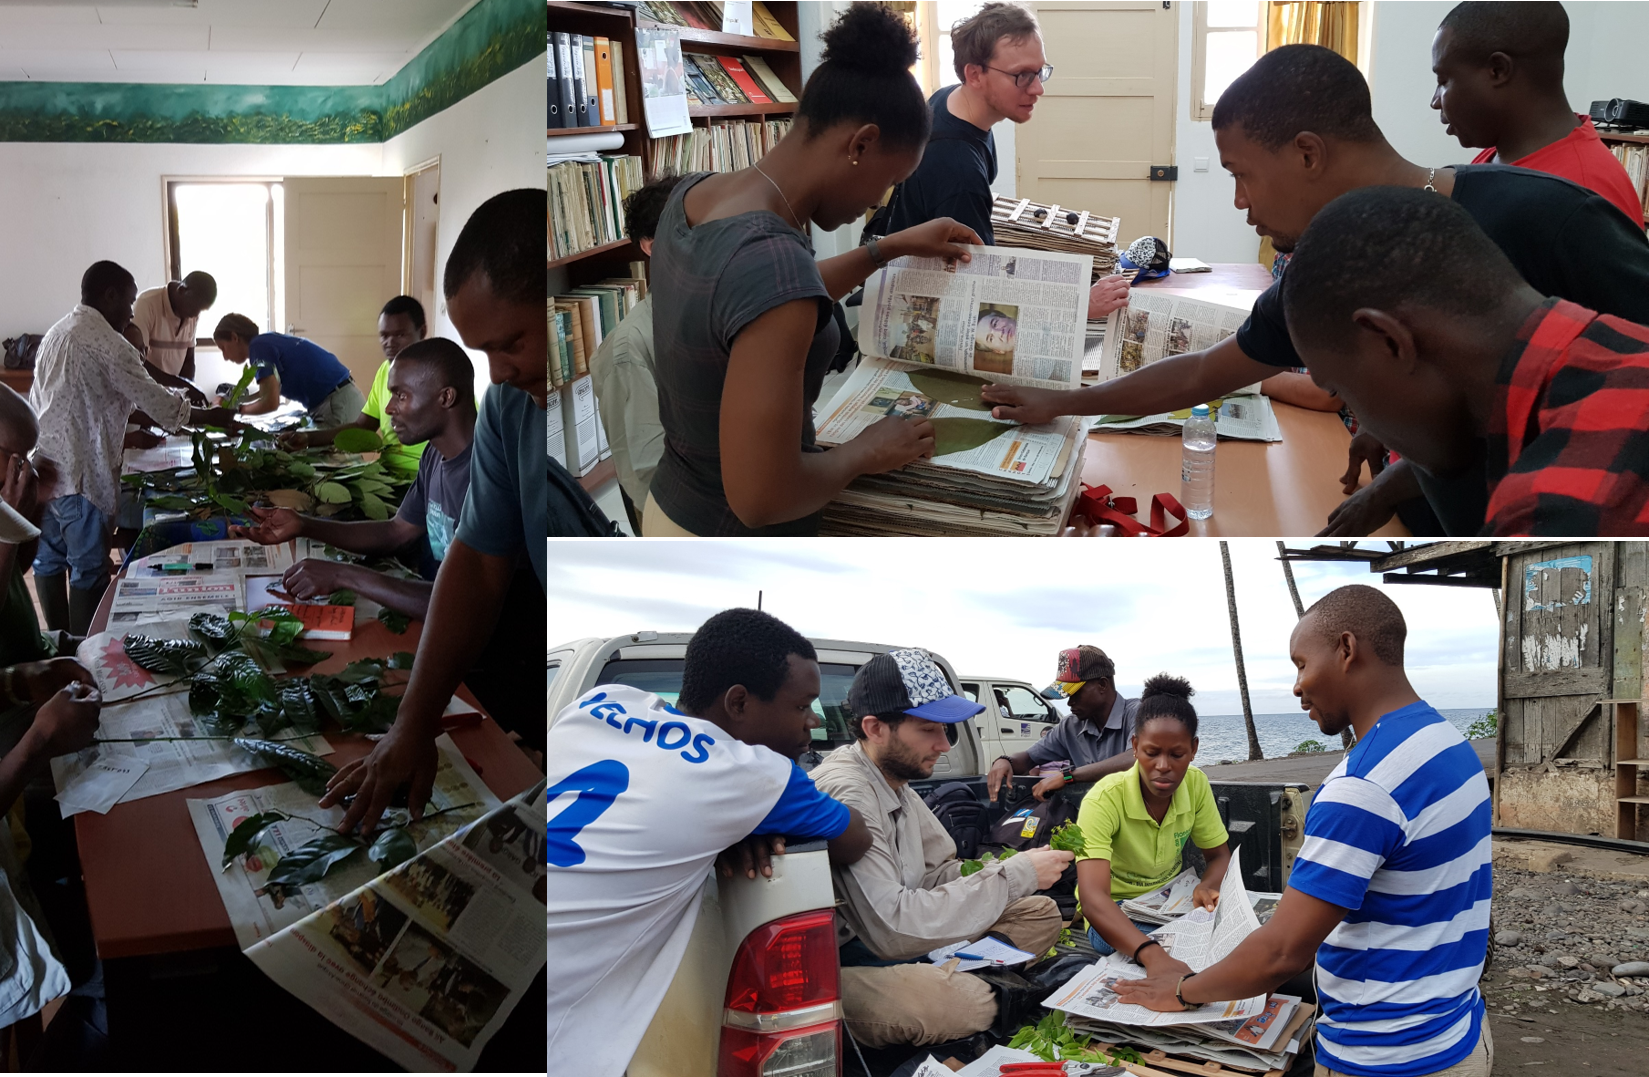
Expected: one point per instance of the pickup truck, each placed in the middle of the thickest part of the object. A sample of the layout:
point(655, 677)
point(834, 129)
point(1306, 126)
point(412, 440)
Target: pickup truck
point(1015, 717)
point(756, 993)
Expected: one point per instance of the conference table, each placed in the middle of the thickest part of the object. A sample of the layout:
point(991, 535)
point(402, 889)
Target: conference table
point(1283, 488)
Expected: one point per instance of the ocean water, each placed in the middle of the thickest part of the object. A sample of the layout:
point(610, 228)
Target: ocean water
point(1223, 739)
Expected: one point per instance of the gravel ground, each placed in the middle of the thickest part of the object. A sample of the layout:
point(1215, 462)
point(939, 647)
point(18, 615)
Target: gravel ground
point(1568, 982)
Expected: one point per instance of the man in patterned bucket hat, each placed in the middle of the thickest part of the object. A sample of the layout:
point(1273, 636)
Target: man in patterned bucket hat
point(907, 897)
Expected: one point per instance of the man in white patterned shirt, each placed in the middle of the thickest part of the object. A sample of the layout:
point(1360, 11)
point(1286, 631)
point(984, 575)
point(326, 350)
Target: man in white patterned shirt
point(88, 378)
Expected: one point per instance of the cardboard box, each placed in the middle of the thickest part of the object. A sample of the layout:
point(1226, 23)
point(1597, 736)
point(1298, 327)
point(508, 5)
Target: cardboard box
point(579, 421)
point(557, 433)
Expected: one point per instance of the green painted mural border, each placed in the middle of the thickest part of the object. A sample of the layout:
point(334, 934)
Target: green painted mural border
point(488, 41)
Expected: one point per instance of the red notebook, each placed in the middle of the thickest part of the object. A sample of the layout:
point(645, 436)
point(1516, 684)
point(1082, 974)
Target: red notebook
point(752, 89)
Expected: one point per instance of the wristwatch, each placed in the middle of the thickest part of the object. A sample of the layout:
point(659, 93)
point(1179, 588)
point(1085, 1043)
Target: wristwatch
point(1179, 998)
point(875, 252)
point(1069, 774)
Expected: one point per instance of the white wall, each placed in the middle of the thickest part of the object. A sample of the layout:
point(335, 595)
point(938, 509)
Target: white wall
point(488, 143)
point(69, 204)
point(1206, 225)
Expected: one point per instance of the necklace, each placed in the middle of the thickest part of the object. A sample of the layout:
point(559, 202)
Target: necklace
point(793, 215)
point(1431, 175)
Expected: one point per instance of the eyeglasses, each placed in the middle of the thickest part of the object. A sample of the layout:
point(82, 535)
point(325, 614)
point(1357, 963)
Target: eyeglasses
point(1022, 79)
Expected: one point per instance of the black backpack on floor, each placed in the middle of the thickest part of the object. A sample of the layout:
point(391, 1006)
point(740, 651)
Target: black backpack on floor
point(964, 818)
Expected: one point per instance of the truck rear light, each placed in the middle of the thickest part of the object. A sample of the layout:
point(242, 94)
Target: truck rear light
point(783, 1008)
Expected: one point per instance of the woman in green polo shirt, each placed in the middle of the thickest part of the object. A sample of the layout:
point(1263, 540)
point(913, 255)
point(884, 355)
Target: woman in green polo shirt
point(1135, 825)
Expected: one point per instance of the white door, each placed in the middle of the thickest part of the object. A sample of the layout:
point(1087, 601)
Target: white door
point(986, 724)
point(1024, 717)
point(344, 238)
point(1108, 114)
point(423, 195)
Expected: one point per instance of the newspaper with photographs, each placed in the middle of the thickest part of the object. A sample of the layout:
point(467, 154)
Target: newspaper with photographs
point(934, 334)
point(1091, 993)
point(1202, 937)
point(1267, 1041)
point(426, 962)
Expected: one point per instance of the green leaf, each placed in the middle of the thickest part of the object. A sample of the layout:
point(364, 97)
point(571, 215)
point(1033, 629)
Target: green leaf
point(298, 705)
point(373, 507)
point(395, 622)
point(949, 387)
point(392, 847)
point(332, 493)
point(239, 391)
point(310, 862)
point(309, 771)
point(1069, 837)
point(268, 653)
point(171, 502)
point(230, 504)
point(400, 660)
point(956, 434)
point(354, 439)
point(172, 656)
point(301, 470)
point(213, 629)
point(341, 597)
point(376, 717)
point(245, 836)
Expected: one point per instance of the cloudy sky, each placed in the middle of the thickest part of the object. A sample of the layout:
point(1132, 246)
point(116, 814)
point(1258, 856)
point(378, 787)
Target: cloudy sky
point(1005, 608)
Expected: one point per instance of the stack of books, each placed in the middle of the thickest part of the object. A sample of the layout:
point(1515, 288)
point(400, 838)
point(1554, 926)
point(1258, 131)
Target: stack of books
point(720, 147)
point(1019, 222)
point(582, 318)
point(708, 16)
point(728, 80)
point(1635, 157)
point(586, 200)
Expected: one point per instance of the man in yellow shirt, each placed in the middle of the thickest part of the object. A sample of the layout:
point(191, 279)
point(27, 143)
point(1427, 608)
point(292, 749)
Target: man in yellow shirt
point(1135, 825)
point(400, 323)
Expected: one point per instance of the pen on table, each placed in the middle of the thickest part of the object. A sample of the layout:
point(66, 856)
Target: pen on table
point(974, 957)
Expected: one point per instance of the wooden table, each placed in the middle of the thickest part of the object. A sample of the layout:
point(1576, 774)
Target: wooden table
point(1284, 488)
point(149, 888)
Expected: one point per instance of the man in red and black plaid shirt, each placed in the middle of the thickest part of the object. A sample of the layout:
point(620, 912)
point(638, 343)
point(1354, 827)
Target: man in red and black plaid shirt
point(1399, 303)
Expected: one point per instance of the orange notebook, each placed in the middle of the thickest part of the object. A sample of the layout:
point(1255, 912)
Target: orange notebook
point(752, 89)
point(604, 81)
point(319, 622)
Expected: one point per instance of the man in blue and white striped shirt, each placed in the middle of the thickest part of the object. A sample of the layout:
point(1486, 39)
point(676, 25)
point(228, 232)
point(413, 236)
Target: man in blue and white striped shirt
point(1390, 891)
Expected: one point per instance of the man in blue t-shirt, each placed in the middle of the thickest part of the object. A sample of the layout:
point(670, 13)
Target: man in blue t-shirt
point(1390, 890)
point(494, 287)
point(293, 367)
point(643, 795)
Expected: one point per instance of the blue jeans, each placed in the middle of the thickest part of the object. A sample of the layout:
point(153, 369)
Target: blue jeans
point(1103, 948)
point(74, 538)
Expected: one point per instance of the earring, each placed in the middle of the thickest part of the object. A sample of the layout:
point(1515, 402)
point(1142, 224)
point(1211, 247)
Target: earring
point(855, 162)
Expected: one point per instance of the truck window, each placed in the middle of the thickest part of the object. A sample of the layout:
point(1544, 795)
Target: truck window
point(555, 667)
point(1025, 705)
point(662, 677)
point(972, 692)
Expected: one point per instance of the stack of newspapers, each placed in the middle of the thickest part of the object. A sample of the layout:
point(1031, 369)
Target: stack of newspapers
point(1045, 227)
point(933, 335)
point(1260, 1035)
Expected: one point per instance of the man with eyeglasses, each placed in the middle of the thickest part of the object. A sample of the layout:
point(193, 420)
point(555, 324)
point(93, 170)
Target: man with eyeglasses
point(1000, 61)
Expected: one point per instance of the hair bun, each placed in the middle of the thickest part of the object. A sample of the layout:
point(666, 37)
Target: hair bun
point(1166, 684)
point(872, 38)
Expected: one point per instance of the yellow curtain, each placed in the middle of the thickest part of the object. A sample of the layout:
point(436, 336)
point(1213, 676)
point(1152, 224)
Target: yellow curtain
point(1333, 25)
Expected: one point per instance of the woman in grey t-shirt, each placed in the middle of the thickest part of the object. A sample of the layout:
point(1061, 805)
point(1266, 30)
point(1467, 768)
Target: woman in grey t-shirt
point(742, 313)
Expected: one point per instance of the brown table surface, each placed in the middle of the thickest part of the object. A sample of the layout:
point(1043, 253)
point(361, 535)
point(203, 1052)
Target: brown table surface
point(148, 885)
point(1285, 488)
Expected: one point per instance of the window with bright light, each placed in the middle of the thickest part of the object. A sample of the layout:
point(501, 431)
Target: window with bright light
point(231, 230)
point(1230, 35)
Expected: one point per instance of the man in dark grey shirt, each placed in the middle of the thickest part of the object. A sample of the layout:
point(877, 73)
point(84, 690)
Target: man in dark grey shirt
point(1093, 741)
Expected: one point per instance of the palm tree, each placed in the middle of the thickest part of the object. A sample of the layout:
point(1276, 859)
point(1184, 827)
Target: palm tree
point(1236, 648)
point(1346, 739)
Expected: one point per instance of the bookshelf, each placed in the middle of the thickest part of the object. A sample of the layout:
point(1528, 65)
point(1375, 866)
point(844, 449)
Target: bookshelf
point(1631, 148)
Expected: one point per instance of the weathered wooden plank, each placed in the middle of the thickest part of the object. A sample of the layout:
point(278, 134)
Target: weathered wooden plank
point(1569, 682)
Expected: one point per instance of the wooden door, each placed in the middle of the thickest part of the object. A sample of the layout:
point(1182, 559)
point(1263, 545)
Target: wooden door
point(1558, 665)
point(344, 238)
point(1107, 115)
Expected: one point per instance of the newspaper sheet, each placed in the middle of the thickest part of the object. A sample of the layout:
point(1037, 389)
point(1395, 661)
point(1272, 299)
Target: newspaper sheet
point(1202, 937)
point(159, 732)
point(1166, 903)
point(1262, 1031)
point(139, 599)
point(1243, 417)
point(117, 676)
point(1010, 315)
point(1155, 325)
point(426, 962)
point(255, 912)
point(1091, 993)
point(174, 452)
point(968, 438)
point(222, 556)
point(1206, 1042)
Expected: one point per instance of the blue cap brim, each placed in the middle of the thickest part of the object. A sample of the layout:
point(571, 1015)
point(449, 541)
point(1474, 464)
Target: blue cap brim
point(948, 710)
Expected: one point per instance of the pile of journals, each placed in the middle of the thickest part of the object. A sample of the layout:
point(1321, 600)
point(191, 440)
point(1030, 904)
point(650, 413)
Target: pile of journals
point(730, 80)
point(719, 147)
point(709, 16)
point(586, 194)
point(579, 320)
point(1039, 226)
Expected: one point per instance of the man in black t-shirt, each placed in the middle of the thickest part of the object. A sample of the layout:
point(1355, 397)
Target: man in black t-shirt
point(1297, 131)
point(1000, 61)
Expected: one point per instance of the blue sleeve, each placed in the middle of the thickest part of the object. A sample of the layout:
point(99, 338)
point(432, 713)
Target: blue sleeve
point(491, 520)
point(1050, 747)
point(804, 812)
point(262, 354)
point(1351, 829)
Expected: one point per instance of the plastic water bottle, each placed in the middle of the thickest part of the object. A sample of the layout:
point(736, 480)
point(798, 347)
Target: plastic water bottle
point(1197, 465)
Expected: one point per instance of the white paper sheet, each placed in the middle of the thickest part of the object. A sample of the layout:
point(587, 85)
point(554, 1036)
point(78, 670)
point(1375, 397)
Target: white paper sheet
point(100, 785)
point(993, 952)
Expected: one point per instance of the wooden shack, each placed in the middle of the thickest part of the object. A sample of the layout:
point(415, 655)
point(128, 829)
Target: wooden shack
point(1571, 756)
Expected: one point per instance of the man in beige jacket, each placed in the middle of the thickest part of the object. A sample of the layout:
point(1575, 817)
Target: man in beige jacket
point(907, 897)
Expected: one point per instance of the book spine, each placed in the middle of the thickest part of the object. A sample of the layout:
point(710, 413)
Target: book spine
point(581, 100)
point(736, 71)
point(604, 81)
point(591, 90)
point(621, 99)
point(553, 92)
point(564, 76)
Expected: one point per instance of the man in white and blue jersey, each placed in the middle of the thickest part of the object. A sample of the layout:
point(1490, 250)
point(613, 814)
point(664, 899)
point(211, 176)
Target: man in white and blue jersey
point(1391, 888)
point(643, 795)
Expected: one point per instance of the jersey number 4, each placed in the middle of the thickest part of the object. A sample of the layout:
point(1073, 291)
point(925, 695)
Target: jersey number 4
point(596, 786)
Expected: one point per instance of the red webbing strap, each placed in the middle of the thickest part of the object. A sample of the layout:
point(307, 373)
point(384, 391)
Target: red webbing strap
point(1100, 507)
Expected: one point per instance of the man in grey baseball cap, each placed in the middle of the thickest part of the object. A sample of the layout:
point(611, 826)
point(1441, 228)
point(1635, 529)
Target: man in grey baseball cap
point(906, 896)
